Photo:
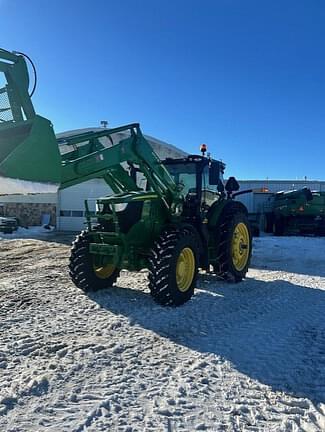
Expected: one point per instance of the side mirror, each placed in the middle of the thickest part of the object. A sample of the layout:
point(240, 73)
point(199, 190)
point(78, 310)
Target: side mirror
point(220, 187)
point(308, 194)
point(214, 173)
point(232, 185)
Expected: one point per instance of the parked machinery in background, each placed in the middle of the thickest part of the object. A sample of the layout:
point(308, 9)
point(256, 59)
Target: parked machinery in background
point(295, 212)
point(8, 225)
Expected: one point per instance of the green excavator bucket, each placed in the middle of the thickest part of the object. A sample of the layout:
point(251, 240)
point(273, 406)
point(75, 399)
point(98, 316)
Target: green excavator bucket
point(29, 156)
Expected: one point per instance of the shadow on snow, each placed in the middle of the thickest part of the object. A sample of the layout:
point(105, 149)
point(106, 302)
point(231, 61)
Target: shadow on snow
point(273, 332)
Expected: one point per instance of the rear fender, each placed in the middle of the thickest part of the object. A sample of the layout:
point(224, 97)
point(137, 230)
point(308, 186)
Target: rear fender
point(218, 209)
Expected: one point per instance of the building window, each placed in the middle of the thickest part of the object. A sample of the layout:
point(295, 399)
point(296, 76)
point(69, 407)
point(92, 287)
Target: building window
point(65, 213)
point(71, 213)
point(77, 213)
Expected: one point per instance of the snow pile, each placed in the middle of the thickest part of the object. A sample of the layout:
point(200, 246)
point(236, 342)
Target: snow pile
point(9, 186)
point(237, 357)
point(31, 232)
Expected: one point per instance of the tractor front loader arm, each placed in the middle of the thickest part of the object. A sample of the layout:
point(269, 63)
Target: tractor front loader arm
point(107, 163)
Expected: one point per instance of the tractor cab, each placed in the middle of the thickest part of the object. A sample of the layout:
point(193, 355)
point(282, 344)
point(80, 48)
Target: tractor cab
point(200, 179)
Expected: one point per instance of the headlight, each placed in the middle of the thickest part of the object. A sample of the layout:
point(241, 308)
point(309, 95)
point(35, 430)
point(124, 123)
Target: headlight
point(119, 206)
point(99, 207)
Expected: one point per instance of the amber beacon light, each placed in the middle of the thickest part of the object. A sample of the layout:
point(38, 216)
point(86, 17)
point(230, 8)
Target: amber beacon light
point(203, 148)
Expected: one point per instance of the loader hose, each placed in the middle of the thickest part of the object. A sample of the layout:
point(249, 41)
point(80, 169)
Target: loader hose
point(34, 70)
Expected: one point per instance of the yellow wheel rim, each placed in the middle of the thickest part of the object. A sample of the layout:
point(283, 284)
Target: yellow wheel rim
point(185, 269)
point(104, 272)
point(240, 246)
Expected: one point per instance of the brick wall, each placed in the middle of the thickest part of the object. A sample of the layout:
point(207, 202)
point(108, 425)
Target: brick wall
point(29, 214)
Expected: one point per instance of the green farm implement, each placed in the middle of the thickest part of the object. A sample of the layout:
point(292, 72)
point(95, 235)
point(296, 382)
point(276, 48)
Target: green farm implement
point(296, 212)
point(28, 148)
point(171, 217)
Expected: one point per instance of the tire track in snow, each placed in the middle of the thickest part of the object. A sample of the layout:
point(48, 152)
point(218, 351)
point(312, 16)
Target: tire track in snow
point(237, 357)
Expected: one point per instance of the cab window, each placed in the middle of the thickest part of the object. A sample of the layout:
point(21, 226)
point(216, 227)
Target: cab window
point(209, 192)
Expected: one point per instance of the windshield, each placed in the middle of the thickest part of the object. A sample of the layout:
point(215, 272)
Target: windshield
point(185, 175)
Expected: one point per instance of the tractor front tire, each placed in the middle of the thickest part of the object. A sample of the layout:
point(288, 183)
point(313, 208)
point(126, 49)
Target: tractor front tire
point(84, 273)
point(234, 246)
point(173, 267)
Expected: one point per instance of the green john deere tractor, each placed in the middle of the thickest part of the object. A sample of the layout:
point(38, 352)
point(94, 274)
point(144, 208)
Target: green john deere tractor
point(171, 217)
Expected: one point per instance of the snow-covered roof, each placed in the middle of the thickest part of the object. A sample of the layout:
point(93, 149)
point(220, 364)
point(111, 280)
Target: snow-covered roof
point(11, 186)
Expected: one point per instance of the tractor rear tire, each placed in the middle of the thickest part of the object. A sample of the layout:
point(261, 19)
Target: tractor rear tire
point(83, 272)
point(234, 239)
point(173, 267)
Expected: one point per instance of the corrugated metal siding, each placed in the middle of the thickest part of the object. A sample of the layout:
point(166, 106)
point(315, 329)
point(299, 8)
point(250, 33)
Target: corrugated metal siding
point(247, 200)
point(278, 185)
point(72, 200)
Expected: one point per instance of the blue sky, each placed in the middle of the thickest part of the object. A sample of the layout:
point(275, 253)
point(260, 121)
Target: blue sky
point(245, 77)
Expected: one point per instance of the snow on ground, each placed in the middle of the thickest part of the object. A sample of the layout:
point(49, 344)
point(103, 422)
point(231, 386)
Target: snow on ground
point(237, 357)
point(36, 232)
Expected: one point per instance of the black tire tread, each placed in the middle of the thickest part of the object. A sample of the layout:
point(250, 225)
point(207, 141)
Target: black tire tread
point(81, 270)
point(224, 269)
point(160, 261)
